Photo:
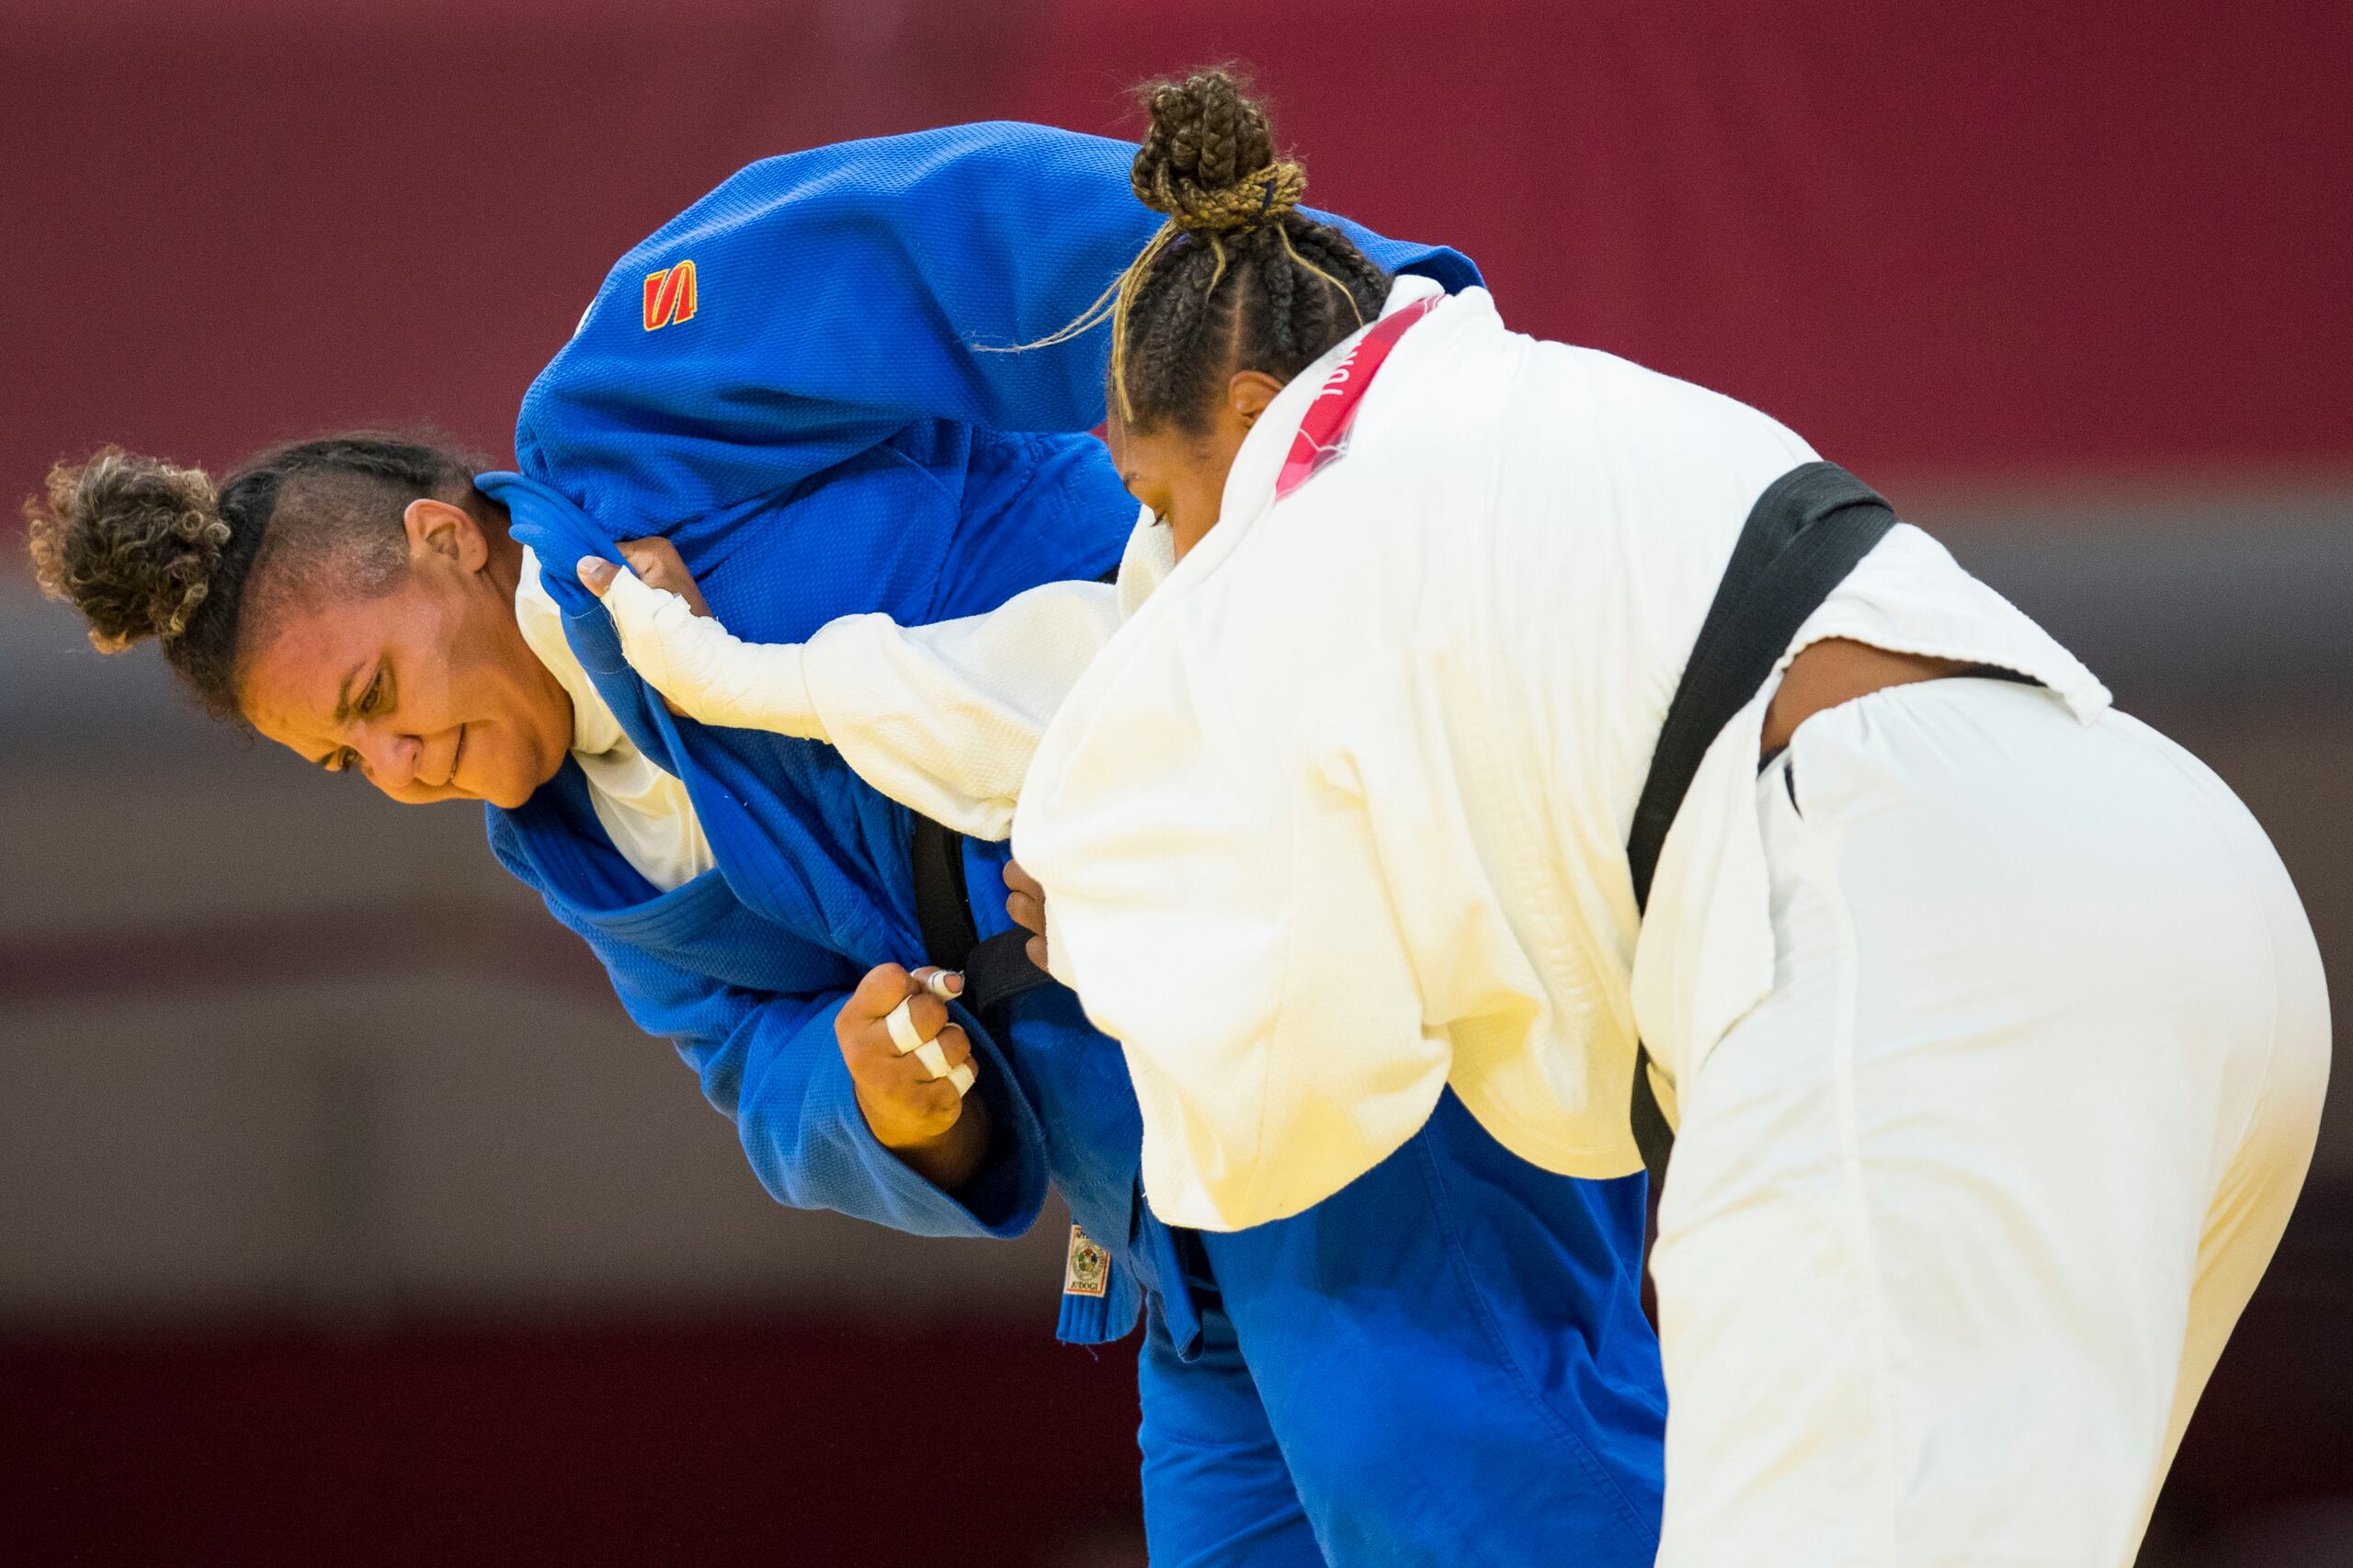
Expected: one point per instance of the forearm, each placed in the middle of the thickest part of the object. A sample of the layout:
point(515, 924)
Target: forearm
point(943, 718)
point(817, 1142)
point(771, 1062)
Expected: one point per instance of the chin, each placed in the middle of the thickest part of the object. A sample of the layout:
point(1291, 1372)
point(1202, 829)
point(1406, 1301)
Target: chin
point(521, 781)
point(510, 793)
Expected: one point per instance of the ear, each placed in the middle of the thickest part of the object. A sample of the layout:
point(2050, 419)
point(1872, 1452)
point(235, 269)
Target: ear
point(448, 531)
point(1249, 392)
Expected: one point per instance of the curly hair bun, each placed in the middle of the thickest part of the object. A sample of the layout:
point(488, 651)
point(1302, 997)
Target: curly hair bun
point(131, 542)
point(1209, 161)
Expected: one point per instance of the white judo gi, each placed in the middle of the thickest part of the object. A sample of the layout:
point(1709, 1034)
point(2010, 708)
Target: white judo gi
point(1995, 1029)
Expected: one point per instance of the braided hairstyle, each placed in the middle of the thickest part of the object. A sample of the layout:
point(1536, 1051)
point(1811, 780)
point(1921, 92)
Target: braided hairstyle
point(144, 548)
point(1238, 279)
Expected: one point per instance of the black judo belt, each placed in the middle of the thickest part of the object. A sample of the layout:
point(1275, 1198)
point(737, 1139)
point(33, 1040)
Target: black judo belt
point(995, 970)
point(1804, 535)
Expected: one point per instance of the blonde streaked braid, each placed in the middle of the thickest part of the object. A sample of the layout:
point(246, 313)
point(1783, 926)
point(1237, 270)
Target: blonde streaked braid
point(145, 548)
point(145, 573)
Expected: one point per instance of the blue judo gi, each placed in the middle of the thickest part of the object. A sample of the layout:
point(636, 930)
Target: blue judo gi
point(793, 382)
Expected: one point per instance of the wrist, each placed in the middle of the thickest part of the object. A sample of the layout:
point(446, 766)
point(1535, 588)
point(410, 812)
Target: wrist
point(949, 1157)
point(903, 1137)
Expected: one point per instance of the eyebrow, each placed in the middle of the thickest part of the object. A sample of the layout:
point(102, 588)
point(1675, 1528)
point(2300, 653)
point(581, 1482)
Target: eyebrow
point(343, 696)
point(342, 712)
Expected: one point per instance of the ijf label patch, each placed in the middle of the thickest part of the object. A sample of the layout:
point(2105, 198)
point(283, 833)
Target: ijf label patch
point(670, 295)
point(1088, 1271)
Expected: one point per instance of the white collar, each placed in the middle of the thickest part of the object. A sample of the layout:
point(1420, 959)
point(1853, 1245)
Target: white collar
point(595, 730)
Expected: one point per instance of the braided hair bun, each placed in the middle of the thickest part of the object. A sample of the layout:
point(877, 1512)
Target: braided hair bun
point(1207, 162)
point(131, 542)
point(1238, 279)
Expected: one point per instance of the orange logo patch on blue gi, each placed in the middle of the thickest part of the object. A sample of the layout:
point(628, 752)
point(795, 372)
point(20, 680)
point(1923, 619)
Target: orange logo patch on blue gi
point(670, 295)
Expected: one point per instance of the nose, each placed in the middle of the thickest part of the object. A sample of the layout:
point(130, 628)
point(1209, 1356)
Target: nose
point(387, 756)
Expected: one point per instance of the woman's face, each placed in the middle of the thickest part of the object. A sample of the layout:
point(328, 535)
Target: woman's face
point(429, 690)
point(1181, 474)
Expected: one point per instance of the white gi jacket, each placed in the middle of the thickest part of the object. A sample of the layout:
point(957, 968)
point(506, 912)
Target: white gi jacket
point(1337, 816)
point(1340, 817)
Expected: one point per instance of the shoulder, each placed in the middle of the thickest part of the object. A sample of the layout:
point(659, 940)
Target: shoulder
point(717, 295)
point(821, 185)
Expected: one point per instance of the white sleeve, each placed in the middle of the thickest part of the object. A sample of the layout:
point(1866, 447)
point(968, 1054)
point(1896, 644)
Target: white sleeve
point(945, 717)
point(942, 719)
point(705, 671)
point(1215, 895)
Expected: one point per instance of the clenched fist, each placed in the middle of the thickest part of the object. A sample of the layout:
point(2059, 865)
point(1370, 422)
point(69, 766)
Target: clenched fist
point(910, 1081)
point(702, 670)
point(657, 564)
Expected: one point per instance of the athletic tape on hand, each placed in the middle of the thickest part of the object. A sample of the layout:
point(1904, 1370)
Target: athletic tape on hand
point(659, 637)
point(934, 1060)
point(705, 670)
point(902, 1025)
point(961, 1076)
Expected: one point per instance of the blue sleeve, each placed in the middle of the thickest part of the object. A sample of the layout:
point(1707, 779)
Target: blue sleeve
point(840, 295)
point(770, 1062)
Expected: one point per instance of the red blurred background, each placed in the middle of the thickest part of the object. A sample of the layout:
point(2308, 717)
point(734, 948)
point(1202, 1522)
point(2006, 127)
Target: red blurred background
point(342, 1217)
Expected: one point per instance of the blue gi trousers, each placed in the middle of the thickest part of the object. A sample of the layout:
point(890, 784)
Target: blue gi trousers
point(1442, 1364)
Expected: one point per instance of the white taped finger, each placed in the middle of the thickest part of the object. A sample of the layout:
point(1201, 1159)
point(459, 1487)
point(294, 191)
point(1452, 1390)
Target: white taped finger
point(934, 1060)
point(962, 1075)
point(902, 1025)
point(937, 983)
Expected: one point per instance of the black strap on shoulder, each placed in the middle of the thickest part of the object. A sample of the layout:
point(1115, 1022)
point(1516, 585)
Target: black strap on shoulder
point(995, 970)
point(1802, 537)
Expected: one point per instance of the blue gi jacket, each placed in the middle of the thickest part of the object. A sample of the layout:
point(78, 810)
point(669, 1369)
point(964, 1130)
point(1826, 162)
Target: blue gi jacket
point(811, 413)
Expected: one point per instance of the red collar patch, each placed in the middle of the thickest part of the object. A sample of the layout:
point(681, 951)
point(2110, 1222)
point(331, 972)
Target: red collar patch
point(1323, 433)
